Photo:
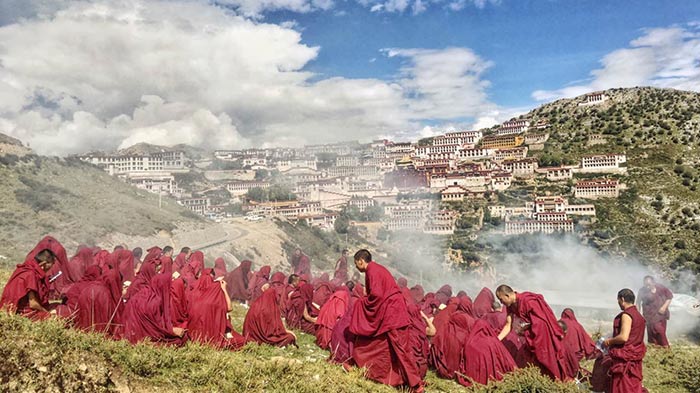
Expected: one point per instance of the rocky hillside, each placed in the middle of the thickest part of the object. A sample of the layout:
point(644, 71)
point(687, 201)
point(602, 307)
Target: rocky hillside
point(658, 218)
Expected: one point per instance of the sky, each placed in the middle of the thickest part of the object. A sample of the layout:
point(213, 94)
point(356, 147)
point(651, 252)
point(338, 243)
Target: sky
point(85, 75)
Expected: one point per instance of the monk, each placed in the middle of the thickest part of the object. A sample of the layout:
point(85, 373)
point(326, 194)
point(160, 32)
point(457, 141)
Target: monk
point(166, 260)
point(301, 312)
point(137, 252)
point(654, 299)
point(626, 349)
point(381, 324)
point(300, 263)
point(483, 357)
point(208, 311)
point(421, 329)
point(123, 260)
point(450, 339)
point(142, 280)
point(90, 303)
point(179, 302)
point(147, 315)
point(220, 267)
point(328, 316)
point(323, 290)
point(443, 294)
point(543, 336)
point(278, 284)
point(182, 259)
point(342, 340)
point(341, 267)
point(237, 282)
point(27, 291)
point(496, 318)
point(190, 273)
point(263, 322)
point(576, 339)
point(417, 293)
point(483, 303)
point(260, 278)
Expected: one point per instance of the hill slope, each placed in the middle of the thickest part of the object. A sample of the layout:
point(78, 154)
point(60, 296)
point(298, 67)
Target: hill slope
point(75, 202)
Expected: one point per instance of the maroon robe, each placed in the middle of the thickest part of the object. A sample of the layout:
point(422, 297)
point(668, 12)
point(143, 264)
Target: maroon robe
point(381, 323)
point(28, 277)
point(193, 269)
point(208, 313)
point(341, 270)
point(142, 280)
point(220, 268)
point(263, 322)
point(180, 262)
point(443, 294)
point(301, 265)
point(484, 358)
point(576, 339)
point(443, 316)
point(124, 261)
point(417, 293)
point(147, 314)
point(237, 282)
point(328, 316)
point(544, 337)
point(299, 299)
point(179, 303)
point(342, 340)
point(260, 278)
point(449, 340)
point(419, 342)
point(483, 303)
point(656, 323)
point(90, 302)
point(323, 289)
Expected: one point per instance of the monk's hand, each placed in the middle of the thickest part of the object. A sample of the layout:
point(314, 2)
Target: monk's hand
point(179, 331)
point(223, 284)
point(662, 311)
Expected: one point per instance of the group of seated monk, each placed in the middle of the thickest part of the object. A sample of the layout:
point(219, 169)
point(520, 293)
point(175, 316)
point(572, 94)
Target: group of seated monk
point(395, 332)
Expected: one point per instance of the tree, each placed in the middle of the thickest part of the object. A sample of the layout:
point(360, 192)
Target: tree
point(342, 223)
point(261, 174)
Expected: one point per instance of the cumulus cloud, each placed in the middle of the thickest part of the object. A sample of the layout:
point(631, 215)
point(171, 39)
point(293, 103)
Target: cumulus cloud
point(419, 6)
point(190, 72)
point(255, 8)
point(661, 57)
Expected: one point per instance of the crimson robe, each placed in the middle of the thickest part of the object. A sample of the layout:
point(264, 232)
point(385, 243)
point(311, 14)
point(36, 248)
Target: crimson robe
point(299, 299)
point(419, 342)
point(342, 340)
point(443, 294)
point(259, 279)
point(443, 316)
point(179, 303)
point(341, 270)
point(544, 337)
point(220, 268)
point(263, 322)
point(124, 261)
point(193, 269)
point(576, 339)
point(142, 280)
point(180, 262)
point(208, 313)
point(323, 289)
point(656, 323)
point(417, 293)
point(90, 302)
point(380, 322)
point(301, 265)
point(237, 282)
point(483, 303)
point(147, 314)
point(449, 340)
point(328, 316)
point(28, 277)
point(484, 358)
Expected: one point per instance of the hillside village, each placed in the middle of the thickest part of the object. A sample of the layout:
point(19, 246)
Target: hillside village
point(420, 186)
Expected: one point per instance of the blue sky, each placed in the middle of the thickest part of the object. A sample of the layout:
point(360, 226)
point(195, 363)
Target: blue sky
point(84, 75)
point(533, 44)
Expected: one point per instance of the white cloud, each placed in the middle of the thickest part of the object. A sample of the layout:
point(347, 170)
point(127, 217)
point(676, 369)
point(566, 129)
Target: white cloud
point(255, 8)
point(662, 57)
point(185, 71)
point(420, 6)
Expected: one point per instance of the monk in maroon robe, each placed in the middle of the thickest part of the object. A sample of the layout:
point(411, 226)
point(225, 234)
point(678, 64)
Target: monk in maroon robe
point(442, 317)
point(27, 291)
point(208, 311)
point(263, 322)
point(655, 300)
point(323, 289)
point(220, 267)
point(484, 358)
point(301, 312)
point(342, 340)
point(542, 333)
point(142, 280)
point(123, 260)
point(483, 303)
point(147, 315)
point(420, 329)
point(182, 259)
point(260, 278)
point(578, 341)
point(341, 268)
point(449, 341)
point(328, 316)
point(193, 269)
point(381, 323)
point(301, 264)
point(278, 284)
point(237, 282)
point(417, 293)
point(623, 363)
point(79, 262)
point(179, 303)
point(90, 302)
point(443, 294)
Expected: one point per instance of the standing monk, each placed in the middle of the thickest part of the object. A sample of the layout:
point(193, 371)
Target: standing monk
point(543, 336)
point(301, 265)
point(655, 299)
point(381, 323)
point(626, 348)
point(341, 268)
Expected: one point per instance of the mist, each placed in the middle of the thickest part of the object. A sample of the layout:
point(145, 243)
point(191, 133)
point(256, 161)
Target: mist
point(567, 272)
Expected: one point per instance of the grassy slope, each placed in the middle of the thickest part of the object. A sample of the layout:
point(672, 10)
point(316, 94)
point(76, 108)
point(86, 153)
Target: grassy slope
point(659, 130)
point(47, 357)
point(75, 202)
